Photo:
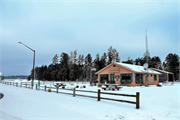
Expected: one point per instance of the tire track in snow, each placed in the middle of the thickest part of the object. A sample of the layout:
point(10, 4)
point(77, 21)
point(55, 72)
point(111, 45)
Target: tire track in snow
point(5, 116)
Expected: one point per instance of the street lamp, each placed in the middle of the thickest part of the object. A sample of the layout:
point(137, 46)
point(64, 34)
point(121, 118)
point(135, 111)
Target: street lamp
point(33, 61)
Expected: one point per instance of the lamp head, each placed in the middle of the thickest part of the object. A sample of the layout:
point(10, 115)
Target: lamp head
point(19, 42)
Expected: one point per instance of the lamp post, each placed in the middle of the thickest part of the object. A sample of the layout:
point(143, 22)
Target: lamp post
point(147, 79)
point(33, 61)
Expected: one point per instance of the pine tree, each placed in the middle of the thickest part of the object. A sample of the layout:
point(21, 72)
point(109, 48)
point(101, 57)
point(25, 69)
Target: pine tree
point(128, 61)
point(117, 57)
point(172, 64)
point(74, 57)
point(96, 62)
point(113, 55)
point(63, 72)
point(55, 60)
point(88, 60)
point(110, 55)
point(103, 61)
point(156, 62)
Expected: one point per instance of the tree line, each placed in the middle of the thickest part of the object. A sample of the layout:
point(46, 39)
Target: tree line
point(70, 67)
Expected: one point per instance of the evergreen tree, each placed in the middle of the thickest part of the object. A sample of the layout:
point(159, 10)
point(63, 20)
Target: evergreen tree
point(82, 59)
point(110, 55)
point(47, 74)
point(74, 57)
point(141, 60)
point(128, 61)
point(71, 57)
point(97, 62)
point(156, 62)
point(117, 57)
point(79, 60)
point(88, 65)
point(37, 73)
point(102, 62)
point(88, 60)
point(113, 55)
point(172, 64)
point(29, 77)
point(55, 60)
point(63, 72)
point(3, 77)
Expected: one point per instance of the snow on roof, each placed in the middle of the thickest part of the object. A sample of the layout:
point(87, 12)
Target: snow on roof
point(161, 70)
point(0, 73)
point(137, 68)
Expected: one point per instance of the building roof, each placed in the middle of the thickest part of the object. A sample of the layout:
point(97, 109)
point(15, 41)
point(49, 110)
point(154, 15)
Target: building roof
point(135, 68)
point(0, 73)
point(161, 71)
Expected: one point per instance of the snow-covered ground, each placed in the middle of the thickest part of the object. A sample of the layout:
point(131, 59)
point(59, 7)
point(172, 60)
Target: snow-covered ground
point(156, 103)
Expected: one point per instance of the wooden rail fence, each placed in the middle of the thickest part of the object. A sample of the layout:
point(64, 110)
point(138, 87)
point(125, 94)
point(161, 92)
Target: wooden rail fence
point(74, 93)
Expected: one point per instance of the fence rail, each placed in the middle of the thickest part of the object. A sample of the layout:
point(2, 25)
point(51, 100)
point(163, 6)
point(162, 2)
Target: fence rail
point(98, 97)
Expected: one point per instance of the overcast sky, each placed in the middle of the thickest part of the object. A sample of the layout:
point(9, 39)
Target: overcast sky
point(51, 27)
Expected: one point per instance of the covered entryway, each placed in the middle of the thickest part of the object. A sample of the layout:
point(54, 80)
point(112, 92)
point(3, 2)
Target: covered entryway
point(165, 76)
point(139, 78)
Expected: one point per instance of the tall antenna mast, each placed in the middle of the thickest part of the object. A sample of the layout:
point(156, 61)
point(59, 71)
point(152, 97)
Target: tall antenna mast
point(147, 80)
point(146, 48)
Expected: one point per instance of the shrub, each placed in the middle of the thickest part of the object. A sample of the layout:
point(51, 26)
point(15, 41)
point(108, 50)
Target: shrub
point(158, 85)
point(49, 90)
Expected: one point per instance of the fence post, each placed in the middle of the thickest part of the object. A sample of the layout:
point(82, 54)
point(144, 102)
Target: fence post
point(137, 100)
point(10, 83)
point(74, 89)
point(13, 83)
point(45, 87)
point(26, 85)
point(21, 84)
point(99, 91)
point(16, 84)
point(57, 89)
point(36, 86)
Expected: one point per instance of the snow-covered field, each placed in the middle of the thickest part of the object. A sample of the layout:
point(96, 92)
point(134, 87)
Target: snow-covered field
point(156, 103)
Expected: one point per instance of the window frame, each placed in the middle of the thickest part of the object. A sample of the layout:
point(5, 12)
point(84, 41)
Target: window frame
point(155, 77)
point(140, 79)
point(129, 80)
point(103, 81)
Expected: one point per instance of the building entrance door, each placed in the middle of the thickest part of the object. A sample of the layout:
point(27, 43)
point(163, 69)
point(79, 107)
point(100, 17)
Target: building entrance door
point(141, 78)
point(112, 79)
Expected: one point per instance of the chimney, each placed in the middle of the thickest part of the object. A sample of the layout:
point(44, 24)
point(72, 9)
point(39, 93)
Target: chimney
point(139, 63)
